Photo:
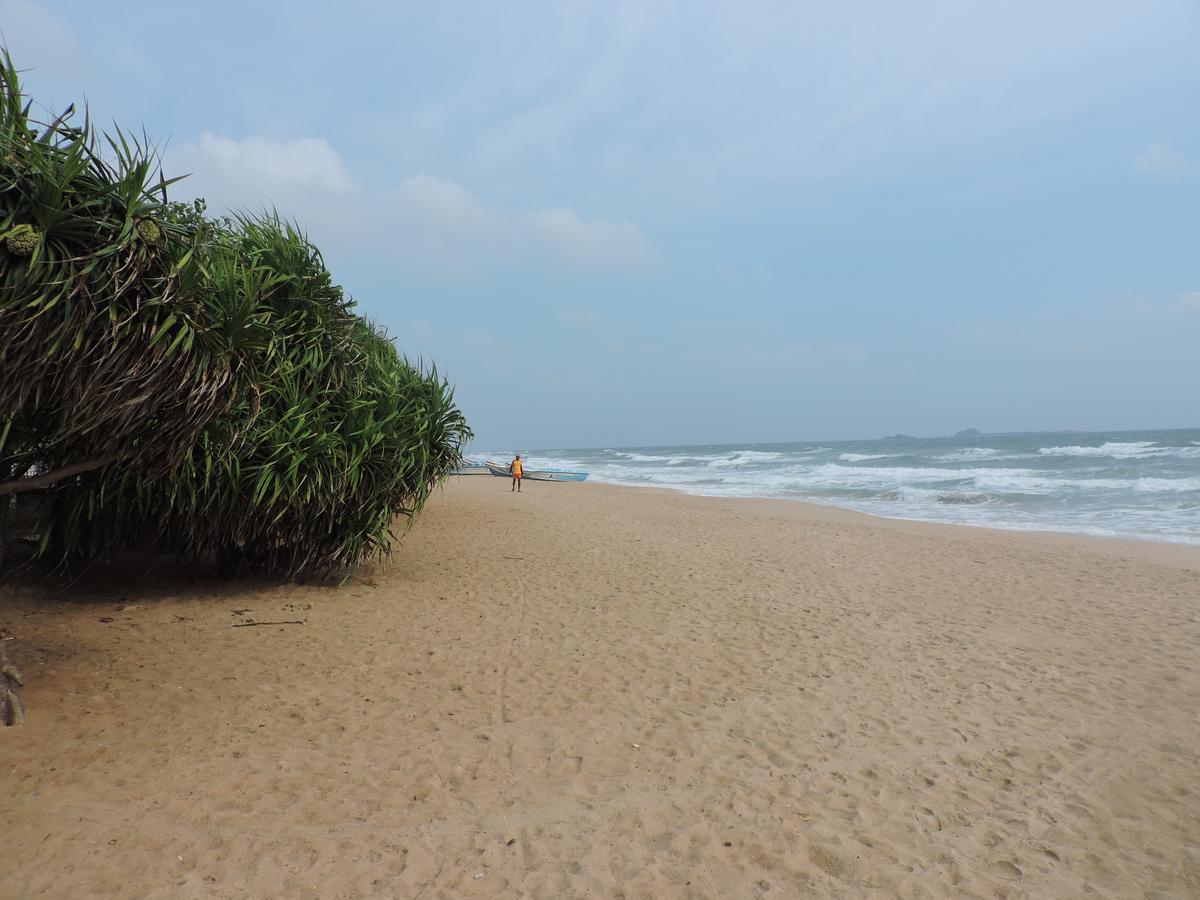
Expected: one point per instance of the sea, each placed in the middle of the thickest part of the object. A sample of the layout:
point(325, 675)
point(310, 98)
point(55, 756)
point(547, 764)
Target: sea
point(1136, 484)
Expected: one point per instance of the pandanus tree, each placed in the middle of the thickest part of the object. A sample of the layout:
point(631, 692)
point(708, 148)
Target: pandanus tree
point(190, 383)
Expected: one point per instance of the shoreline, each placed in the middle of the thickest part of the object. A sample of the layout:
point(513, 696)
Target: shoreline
point(1176, 553)
point(593, 690)
point(1138, 485)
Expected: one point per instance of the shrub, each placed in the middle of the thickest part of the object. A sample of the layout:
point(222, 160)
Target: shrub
point(196, 384)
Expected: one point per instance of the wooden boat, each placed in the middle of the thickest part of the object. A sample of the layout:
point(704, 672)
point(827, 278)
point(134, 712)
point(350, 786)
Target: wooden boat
point(554, 475)
point(501, 471)
point(470, 467)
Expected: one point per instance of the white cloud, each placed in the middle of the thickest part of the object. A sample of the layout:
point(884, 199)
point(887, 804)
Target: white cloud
point(1187, 303)
point(1184, 303)
point(450, 222)
point(425, 218)
point(438, 222)
point(35, 36)
point(576, 240)
point(703, 107)
point(445, 206)
point(259, 162)
point(1159, 160)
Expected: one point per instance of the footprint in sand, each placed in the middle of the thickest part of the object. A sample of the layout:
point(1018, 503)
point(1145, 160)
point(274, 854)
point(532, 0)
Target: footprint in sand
point(831, 863)
point(929, 818)
point(1006, 869)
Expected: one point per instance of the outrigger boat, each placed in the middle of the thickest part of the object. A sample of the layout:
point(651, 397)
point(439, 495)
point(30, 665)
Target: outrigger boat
point(537, 474)
point(470, 467)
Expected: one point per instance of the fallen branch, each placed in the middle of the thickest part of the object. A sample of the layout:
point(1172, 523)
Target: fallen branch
point(37, 482)
point(252, 624)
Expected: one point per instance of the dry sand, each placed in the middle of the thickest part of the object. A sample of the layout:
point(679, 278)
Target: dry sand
point(589, 691)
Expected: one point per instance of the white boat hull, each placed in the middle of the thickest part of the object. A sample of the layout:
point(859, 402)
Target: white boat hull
point(537, 474)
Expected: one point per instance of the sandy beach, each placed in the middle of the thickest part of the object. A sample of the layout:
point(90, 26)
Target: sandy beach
point(592, 691)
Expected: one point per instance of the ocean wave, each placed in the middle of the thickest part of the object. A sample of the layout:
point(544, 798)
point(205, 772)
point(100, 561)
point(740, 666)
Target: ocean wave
point(1112, 449)
point(992, 481)
point(649, 457)
point(615, 473)
point(1145, 488)
point(967, 454)
point(744, 458)
point(1159, 485)
point(915, 495)
point(857, 474)
point(967, 485)
point(1037, 484)
point(1125, 450)
point(965, 499)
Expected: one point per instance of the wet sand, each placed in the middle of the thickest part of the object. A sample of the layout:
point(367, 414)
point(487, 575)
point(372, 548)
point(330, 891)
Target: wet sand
point(591, 691)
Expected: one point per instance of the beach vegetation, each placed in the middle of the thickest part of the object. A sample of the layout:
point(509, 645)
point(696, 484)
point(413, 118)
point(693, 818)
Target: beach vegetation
point(176, 381)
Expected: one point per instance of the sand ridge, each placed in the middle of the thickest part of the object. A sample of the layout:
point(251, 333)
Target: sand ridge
point(590, 691)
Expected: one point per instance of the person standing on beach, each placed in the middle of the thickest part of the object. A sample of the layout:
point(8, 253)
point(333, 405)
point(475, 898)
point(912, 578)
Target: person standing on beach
point(515, 468)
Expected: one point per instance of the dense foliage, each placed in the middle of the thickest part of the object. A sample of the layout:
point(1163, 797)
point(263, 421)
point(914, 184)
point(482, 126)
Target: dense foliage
point(190, 383)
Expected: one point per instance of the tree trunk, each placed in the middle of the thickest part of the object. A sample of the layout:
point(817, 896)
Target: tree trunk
point(12, 712)
point(5, 506)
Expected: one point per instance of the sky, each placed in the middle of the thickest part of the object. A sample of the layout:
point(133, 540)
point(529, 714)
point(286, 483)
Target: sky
point(628, 224)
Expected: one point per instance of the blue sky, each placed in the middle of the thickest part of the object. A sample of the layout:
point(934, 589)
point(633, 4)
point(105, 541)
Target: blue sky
point(619, 224)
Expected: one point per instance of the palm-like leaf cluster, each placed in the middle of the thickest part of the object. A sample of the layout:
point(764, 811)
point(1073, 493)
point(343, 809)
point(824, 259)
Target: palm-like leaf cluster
point(204, 382)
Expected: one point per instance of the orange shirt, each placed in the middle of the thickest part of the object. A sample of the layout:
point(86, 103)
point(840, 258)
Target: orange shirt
point(516, 468)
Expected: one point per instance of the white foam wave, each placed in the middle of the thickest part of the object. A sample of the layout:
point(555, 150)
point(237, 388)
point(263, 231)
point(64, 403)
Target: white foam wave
point(910, 494)
point(992, 481)
point(835, 473)
point(1111, 449)
point(744, 458)
point(679, 459)
point(863, 457)
point(967, 454)
point(1159, 485)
